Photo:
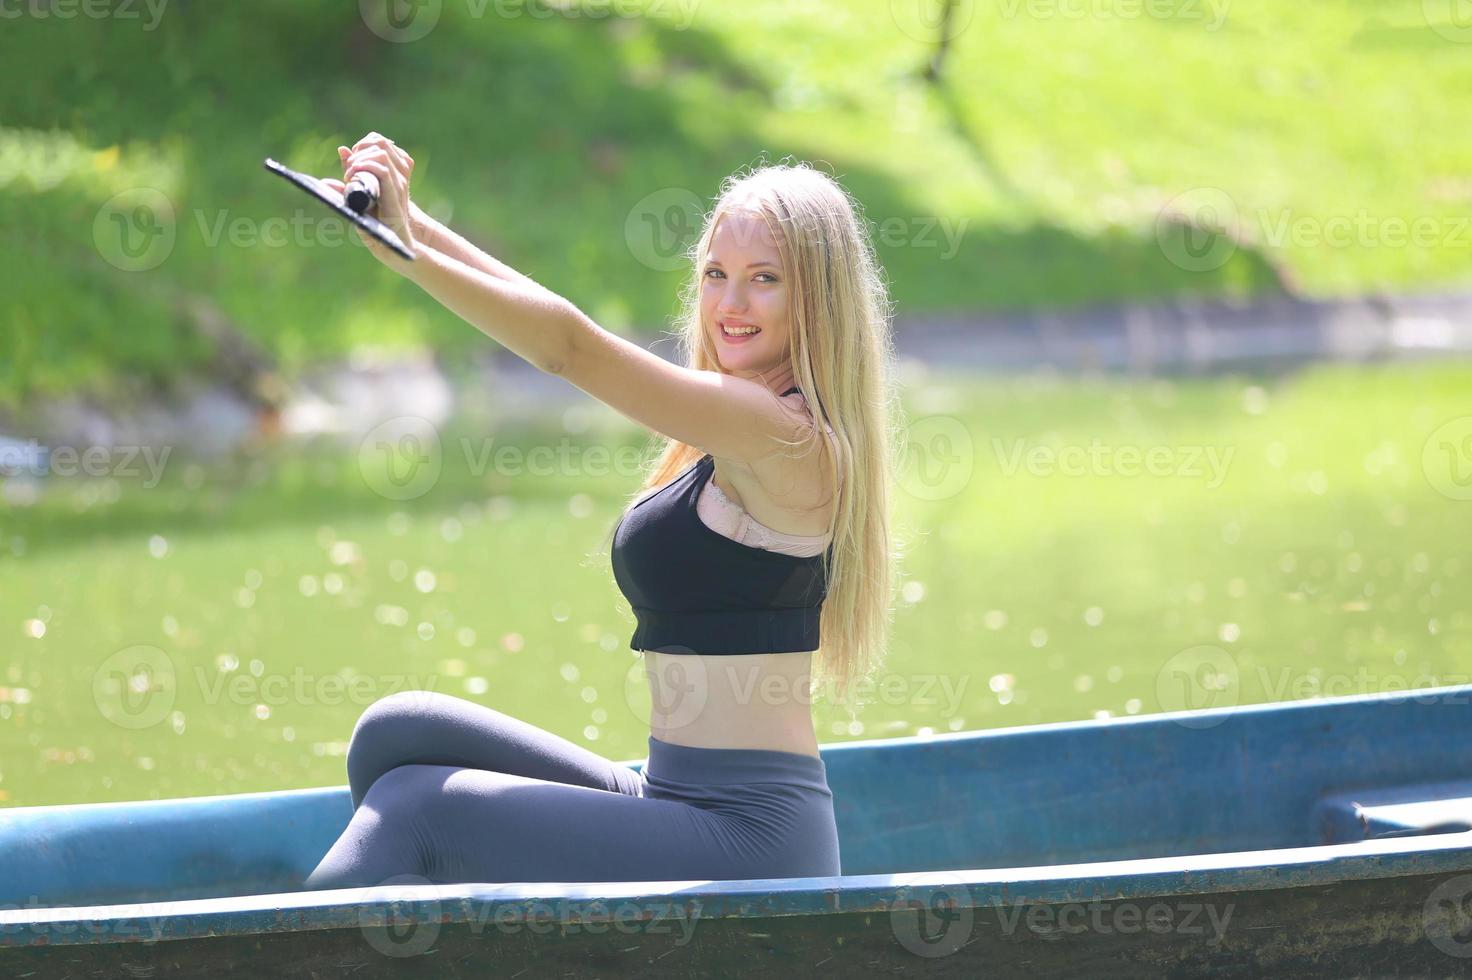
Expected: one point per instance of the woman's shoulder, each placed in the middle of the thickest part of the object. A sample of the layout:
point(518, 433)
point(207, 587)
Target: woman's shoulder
point(798, 400)
point(790, 483)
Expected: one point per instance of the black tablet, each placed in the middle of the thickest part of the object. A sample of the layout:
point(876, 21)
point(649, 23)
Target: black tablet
point(335, 201)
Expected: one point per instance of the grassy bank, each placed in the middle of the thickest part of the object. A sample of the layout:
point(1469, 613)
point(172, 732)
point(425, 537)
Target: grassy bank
point(1329, 139)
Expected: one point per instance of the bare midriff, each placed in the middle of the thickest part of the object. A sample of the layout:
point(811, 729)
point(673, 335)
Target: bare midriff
point(744, 701)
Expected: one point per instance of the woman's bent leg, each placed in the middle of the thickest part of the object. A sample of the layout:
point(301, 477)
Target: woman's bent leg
point(430, 728)
point(451, 825)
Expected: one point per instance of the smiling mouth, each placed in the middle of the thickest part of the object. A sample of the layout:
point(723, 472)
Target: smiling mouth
point(743, 333)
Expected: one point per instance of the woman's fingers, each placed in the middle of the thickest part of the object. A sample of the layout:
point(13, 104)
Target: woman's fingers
point(372, 139)
point(382, 142)
point(379, 156)
point(377, 168)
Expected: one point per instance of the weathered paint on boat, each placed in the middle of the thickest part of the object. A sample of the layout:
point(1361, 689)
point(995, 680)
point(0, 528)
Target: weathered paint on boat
point(1325, 837)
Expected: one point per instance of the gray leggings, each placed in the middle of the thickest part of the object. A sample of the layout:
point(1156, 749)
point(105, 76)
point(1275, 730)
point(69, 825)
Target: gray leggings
point(453, 791)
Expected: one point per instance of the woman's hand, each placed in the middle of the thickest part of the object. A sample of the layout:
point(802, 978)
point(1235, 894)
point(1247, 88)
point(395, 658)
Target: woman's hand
point(377, 155)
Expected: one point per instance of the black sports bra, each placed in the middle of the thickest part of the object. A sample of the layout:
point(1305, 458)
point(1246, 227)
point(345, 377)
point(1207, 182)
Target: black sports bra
point(694, 590)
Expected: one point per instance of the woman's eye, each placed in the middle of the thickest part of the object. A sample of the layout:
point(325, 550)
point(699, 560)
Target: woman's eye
point(769, 276)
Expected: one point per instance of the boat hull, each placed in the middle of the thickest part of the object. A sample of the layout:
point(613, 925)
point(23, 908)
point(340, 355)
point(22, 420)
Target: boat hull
point(1323, 838)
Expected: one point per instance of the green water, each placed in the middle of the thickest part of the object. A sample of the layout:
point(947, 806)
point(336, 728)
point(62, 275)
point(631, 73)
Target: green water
point(1295, 536)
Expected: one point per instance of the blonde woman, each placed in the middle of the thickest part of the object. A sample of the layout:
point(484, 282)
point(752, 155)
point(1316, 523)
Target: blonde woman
point(763, 527)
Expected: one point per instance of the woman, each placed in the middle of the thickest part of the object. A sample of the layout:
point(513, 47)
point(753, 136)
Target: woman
point(759, 528)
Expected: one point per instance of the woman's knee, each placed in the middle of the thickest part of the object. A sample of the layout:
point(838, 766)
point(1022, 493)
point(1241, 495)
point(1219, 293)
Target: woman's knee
point(381, 732)
point(391, 712)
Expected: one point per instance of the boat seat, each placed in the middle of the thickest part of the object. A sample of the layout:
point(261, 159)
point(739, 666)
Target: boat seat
point(1400, 811)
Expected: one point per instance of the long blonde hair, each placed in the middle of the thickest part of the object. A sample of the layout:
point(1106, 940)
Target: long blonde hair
point(843, 360)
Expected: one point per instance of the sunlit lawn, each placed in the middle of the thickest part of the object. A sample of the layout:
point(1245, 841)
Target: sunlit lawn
point(1319, 557)
point(1035, 175)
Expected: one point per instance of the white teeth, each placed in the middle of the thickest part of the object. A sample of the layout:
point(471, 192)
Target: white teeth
point(740, 330)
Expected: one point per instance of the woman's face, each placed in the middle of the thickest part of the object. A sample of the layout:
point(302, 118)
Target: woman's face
point(743, 285)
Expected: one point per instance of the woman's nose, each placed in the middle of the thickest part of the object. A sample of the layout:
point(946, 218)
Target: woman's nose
point(731, 301)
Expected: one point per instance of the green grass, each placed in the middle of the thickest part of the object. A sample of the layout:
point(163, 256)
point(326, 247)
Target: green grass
point(1046, 156)
point(1323, 560)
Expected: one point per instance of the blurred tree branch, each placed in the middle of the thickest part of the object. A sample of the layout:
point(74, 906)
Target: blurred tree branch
point(937, 61)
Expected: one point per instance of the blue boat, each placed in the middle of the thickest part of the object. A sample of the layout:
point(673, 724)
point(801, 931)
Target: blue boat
point(1329, 837)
